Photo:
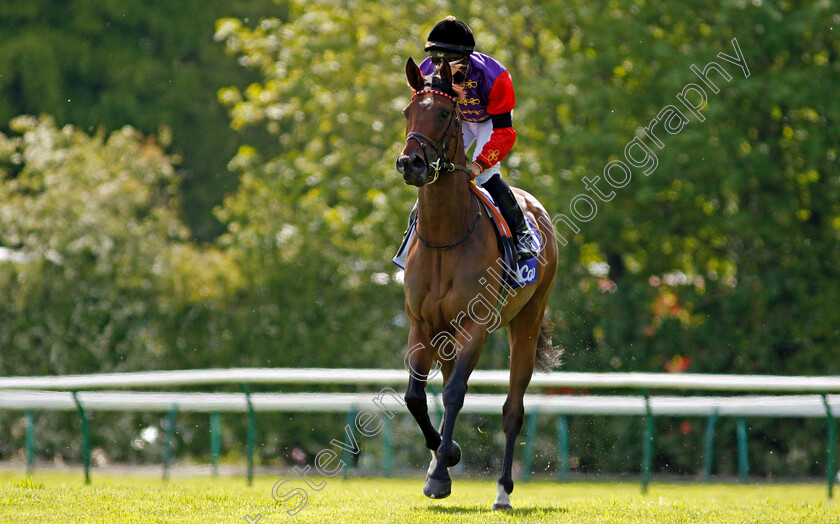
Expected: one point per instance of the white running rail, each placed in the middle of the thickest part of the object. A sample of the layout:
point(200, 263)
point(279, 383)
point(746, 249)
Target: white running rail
point(381, 377)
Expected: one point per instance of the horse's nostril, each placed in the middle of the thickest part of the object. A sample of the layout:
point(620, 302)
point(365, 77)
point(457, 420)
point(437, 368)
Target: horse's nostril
point(417, 161)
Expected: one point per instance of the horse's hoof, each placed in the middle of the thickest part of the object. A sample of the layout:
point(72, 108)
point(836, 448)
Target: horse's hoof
point(502, 497)
point(437, 489)
point(455, 457)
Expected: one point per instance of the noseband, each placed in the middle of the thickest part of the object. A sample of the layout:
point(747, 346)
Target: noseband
point(442, 163)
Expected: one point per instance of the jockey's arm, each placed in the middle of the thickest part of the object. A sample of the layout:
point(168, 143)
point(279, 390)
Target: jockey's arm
point(500, 107)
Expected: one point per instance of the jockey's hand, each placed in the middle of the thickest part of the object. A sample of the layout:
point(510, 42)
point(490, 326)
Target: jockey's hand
point(475, 170)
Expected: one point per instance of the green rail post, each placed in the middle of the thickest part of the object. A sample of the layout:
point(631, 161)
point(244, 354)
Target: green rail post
point(530, 437)
point(743, 456)
point(252, 433)
point(215, 442)
point(832, 436)
point(85, 437)
point(167, 442)
point(709, 457)
point(30, 442)
point(350, 421)
point(563, 447)
point(389, 449)
point(647, 444)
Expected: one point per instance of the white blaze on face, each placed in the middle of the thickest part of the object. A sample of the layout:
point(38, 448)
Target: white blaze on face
point(426, 103)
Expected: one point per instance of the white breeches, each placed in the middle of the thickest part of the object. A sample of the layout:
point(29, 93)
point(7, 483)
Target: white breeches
point(480, 135)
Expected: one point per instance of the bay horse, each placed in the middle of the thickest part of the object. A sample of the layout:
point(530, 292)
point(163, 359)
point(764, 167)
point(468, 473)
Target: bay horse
point(453, 251)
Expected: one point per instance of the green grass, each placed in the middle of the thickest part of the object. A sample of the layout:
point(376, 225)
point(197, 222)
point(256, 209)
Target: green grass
point(63, 497)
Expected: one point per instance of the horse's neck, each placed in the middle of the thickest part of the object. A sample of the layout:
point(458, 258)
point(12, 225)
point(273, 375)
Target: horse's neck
point(444, 212)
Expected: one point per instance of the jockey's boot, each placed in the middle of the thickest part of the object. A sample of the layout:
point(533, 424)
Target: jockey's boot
point(510, 209)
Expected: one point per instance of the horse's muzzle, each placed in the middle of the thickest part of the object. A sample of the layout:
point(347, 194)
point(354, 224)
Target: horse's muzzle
point(413, 169)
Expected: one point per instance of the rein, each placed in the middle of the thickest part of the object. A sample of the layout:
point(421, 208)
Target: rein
point(442, 163)
point(453, 244)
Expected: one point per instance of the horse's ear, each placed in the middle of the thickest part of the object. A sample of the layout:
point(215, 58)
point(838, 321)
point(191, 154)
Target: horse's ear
point(414, 75)
point(445, 72)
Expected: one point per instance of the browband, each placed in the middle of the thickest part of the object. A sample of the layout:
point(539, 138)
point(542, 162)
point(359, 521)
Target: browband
point(434, 92)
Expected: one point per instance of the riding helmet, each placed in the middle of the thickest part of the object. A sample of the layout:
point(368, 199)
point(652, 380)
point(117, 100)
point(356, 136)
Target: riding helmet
point(451, 36)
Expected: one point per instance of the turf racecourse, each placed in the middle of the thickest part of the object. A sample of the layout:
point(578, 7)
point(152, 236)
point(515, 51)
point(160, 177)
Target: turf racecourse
point(62, 497)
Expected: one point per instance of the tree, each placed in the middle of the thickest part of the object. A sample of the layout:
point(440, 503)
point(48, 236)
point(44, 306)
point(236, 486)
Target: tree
point(153, 66)
point(93, 220)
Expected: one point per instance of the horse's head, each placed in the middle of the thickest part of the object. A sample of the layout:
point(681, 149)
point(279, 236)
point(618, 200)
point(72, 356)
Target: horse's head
point(432, 125)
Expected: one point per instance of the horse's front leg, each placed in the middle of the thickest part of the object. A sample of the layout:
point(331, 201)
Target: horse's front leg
point(439, 484)
point(419, 362)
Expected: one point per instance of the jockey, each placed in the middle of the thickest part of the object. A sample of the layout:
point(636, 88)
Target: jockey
point(487, 110)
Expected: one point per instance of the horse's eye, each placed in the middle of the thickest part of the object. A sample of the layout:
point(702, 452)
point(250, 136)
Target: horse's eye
point(405, 112)
point(445, 113)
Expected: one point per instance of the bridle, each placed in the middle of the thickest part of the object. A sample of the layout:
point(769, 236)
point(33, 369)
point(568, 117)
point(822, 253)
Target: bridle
point(442, 163)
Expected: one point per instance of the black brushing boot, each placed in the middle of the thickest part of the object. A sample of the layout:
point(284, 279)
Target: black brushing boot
point(510, 209)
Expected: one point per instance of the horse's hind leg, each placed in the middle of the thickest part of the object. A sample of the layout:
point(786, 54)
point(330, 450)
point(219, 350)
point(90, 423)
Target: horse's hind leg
point(523, 333)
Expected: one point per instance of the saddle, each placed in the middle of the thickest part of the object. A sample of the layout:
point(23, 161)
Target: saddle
point(517, 273)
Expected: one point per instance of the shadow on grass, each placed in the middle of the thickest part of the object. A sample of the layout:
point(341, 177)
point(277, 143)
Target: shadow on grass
point(515, 512)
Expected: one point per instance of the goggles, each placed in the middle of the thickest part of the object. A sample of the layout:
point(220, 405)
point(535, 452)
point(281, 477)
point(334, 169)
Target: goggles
point(453, 58)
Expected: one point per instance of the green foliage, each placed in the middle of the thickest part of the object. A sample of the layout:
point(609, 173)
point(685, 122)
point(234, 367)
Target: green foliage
point(92, 217)
point(333, 84)
point(742, 205)
point(153, 66)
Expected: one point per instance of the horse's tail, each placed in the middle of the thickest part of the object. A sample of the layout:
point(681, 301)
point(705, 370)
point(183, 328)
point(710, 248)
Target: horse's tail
point(548, 356)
